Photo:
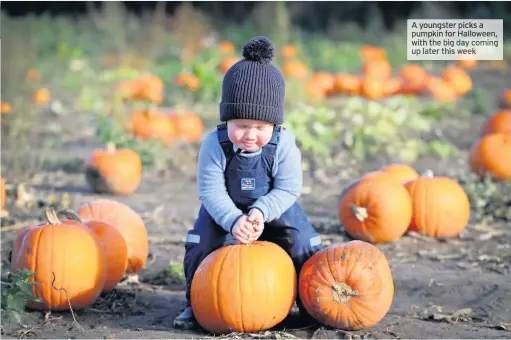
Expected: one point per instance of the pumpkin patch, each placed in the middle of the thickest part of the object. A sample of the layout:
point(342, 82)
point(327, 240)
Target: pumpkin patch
point(107, 119)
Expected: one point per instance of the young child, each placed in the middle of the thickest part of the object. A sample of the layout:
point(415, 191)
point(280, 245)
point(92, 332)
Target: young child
point(249, 172)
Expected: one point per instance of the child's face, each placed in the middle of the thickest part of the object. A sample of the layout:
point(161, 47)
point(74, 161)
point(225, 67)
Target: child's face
point(248, 134)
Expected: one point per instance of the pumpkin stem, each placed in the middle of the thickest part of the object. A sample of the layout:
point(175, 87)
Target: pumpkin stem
point(70, 215)
point(342, 293)
point(51, 216)
point(428, 173)
point(110, 147)
point(359, 212)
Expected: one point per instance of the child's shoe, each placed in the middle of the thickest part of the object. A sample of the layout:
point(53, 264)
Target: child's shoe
point(186, 320)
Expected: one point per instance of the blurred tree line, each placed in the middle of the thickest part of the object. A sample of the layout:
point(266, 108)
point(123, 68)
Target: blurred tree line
point(312, 16)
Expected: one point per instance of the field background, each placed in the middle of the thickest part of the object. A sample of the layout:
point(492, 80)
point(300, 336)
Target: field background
point(457, 288)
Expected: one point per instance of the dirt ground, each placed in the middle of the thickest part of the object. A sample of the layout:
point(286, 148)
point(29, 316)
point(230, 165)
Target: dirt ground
point(458, 288)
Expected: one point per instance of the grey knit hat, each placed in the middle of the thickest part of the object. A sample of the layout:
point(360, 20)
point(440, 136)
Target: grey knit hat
point(254, 88)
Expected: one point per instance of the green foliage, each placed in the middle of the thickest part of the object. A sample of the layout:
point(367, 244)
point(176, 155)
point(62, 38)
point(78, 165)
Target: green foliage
point(490, 200)
point(365, 129)
point(16, 293)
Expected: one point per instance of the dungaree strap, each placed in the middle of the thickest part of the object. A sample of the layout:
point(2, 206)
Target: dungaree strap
point(271, 148)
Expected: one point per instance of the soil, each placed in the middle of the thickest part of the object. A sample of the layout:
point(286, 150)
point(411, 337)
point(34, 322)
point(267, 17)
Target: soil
point(456, 288)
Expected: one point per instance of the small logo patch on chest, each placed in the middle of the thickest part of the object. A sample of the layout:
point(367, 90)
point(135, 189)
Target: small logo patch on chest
point(247, 184)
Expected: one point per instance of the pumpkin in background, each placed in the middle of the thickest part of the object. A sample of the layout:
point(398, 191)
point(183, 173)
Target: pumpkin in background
point(289, 51)
point(150, 124)
point(150, 89)
point(127, 222)
point(369, 52)
point(347, 84)
point(392, 86)
point(6, 107)
point(414, 79)
point(189, 126)
point(441, 207)
point(226, 47)
point(347, 286)
point(373, 88)
point(498, 122)
point(64, 255)
point(401, 172)
point(491, 155)
point(377, 69)
point(324, 80)
point(459, 79)
point(295, 69)
point(41, 96)
point(116, 171)
point(227, 63)
point(376, 211)
point(244, 288)
point(2, 193)
point(116, 251)
point(313, 91)
point(188, 79)
point(467, 63)
point(505, 100)
point(441, 90)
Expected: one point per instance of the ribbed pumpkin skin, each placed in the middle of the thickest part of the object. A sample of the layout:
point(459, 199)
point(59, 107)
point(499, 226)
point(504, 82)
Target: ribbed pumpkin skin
point(347, 286)
point(387, 204)
point(116, 251)
point(244, 288)
point(441, 207)
point(127, 222)
point(71, 252)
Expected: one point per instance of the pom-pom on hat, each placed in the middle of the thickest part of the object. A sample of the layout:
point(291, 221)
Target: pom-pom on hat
point(254, 88)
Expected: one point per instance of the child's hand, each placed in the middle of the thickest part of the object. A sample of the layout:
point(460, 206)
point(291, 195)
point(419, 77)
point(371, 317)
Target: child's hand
point(243, 230)
point(256, 218)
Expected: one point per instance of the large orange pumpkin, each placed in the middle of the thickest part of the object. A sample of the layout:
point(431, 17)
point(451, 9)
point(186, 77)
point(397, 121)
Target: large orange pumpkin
point(67, 260)
point(401, 172)
point(244, 288)
point(441, 207)
point(491, 155)
point(116, 251)
point(376, 210)
point(498, 122)
point(116, 171)
point(127, 222)
point(347, 286)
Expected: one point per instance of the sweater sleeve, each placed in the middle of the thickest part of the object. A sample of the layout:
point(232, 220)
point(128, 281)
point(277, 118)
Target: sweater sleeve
point(211, 182)
point(287, 179)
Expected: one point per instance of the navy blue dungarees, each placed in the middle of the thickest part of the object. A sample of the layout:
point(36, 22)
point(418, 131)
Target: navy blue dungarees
point(247, 179)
